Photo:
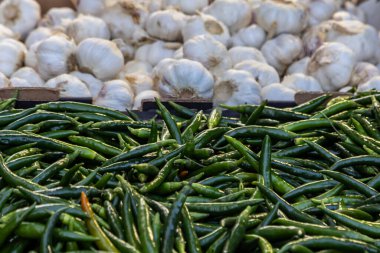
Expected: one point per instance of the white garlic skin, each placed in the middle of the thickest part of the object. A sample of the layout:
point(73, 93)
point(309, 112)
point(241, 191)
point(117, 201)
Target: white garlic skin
point(208, 51)
point(55, 56)
point(239, 54)
point(363, 72)
point(139, 83)
point(277, 17)
point(115, 94)
point(166, 24)
point(202, 24)
point(332, 65)
point(4, 81)
point(99, 57)
point(235, 14)
point(281, 51)
point(355, 11)
point(58, 17)
point(12, 54)
point(69, 86)
point(263, 73)
point(31, 77)
point(320, 10)
point(185, 6)
point(151, 6)
point(138, 67)
point(344, 15)
point(6, 33)
point(155, 52)
point(144, 95)
point(126, 49)
point(85, 26)
point(372, 84)
point(251, 36)
point(299, 66)
point(91, 7)
point(183, 78)
point(236, 87)
point(93, 84)
point(21, 16)
point(178, 54)
point(37, 35)
point(301, 82)
point(277, 92)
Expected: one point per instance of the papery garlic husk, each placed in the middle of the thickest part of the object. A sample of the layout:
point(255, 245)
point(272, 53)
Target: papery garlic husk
point(332, 65)
point(239, 54)
point(137, 67)
point(93, 84)
point(150, 5)
point(281, 51)
point(37, 35)
point(235, 14)
point(69, 86)
point(205, 24)
point(4, 81)
point(277, 17)
point(183, 78)
point(208, 51)
point(344, 15)
point(277, 92)
point(178, 54)
point(6, 33)
point(99, 57)
point(251, 36)
point(372, 84)
point(320, 10)
point(144, 95)
point(355, 10)
point(115, 94)
point(21, 16)
point(139, 82)
point(31, 56)
point(301, 82)
point(263, 73)
point(126, 49)
point(55, 56)
point(185, 6)
point(236, 87)
point(166, 24)
point(126, 20)
point(153, 53)
point(85, 26)
point(91, 7)
point(29, 75)
point(363, 72)
point(58, 17)
point(346, 89)
point(12, 54)
point(299, 66)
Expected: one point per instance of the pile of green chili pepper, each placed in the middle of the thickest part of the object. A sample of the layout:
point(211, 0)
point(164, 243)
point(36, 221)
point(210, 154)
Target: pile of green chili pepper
point(80, 178)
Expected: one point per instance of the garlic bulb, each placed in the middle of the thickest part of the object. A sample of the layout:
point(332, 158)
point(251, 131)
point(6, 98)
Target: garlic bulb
point(277, 17)
point(6, 33)
point(30, 77)
point(298, 66)
point(363, 72)
point(263, 73)
point(21, 16)
point(251, 36)
point(205, 24)
point(332, 65)
point(344, 15)
point(84, 27)
point(138, 67)
point(93, 85)
point(239, 54)
point(144, 95)
point(37, 35)
point(235, 14)
point(320, 10)
point(372, 84)
point(178, 54)
point(236, 87)
point(185, 6)
point(115, 94)
point(91, 7)
point(155, 52)
point(183, 78)
point(126, 20)
point(301, 82)
point(166, 24)
point(277, 92)
point(4, 81)
point(150, 5)
point(139, 83)
point(69, 86)
point(55, 56)
point(355, 11)
point(31, 55)
point(99, 57)
point(281, 51)
point(126, 49)
point(208, 51)
point(58, 17)
point(12, 53)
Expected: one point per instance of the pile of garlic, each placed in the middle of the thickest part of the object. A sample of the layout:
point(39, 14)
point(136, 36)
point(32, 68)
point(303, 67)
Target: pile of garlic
point(120, 52)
